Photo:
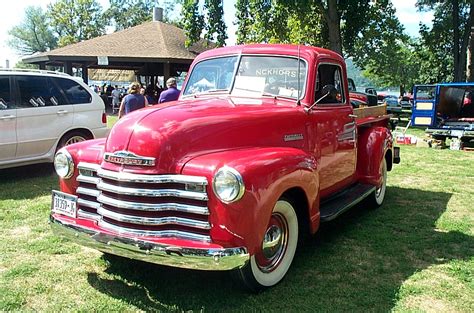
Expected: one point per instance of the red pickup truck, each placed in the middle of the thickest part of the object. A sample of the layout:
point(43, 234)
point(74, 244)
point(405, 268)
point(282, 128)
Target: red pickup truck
point(262, 146)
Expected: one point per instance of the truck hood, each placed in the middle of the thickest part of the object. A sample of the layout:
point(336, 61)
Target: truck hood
point(179, 131)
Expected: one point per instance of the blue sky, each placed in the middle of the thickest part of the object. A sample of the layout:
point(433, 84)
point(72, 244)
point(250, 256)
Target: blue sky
point(14, 14)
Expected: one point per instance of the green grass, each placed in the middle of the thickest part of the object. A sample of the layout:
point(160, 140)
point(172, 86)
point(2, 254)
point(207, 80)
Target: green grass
point(415, 253)
point(111, 120)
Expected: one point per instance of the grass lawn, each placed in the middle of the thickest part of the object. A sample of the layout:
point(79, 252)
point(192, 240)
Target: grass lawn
point(415, 253)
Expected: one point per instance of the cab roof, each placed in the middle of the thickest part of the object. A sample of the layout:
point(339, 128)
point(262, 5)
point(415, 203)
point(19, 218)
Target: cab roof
point(306, 52)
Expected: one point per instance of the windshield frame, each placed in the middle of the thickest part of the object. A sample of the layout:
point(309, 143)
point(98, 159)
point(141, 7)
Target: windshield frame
point(239, 56)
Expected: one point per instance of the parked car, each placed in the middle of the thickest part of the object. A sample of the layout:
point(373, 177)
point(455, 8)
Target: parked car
point(405, 102)
point(380, 97)
point(392, 104)
point(368, 98)
point(42, 111)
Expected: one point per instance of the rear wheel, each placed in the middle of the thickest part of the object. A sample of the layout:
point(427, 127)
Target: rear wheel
point(377, 197)
point(271, 262)
point(72, 137)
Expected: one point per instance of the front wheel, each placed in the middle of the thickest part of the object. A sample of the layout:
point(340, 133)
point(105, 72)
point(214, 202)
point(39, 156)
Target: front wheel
point(269, 265)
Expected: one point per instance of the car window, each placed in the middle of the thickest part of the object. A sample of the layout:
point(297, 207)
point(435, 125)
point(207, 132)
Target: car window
point(38, 91)
point(5, 96)
point(74, 92)
point(329, 84)
point(425, 92)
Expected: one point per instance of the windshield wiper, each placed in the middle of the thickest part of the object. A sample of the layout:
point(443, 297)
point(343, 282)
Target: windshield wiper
point(216, 90)
point(265, 94)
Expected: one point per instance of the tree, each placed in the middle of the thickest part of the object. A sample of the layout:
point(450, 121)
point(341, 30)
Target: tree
point(192, 22)
point(211, 21)
point(129, 13)
point(278, 21)
point(446, 43)
point(76, 20)
point(383, 50)
point(243, 20)
point(215, 26)
point(334, 24)
point(33, 34)
point(366, 31)
point(23, 65)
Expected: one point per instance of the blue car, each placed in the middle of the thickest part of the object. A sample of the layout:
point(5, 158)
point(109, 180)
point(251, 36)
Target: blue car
point(392, 104)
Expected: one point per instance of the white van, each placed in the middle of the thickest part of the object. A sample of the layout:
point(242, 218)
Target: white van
point(42, 111)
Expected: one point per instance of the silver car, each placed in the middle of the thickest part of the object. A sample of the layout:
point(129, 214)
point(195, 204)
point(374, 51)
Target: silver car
point(41, 111)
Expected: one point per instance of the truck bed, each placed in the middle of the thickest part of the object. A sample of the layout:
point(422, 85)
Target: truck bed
point(373, 114)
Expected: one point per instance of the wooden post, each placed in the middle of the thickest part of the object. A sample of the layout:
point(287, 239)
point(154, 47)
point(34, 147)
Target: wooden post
point(85, 74)
point(166, 72)
point(68, 67)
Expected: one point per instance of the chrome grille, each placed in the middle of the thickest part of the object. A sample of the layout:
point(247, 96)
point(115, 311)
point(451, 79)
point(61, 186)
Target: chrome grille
point(144, 205)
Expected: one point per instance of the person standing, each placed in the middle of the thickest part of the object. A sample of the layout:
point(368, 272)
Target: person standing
point(133, 101)
point(115, 99)
point(172, 93)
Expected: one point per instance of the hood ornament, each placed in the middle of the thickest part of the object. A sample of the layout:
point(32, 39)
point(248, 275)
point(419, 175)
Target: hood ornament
point(128, 158)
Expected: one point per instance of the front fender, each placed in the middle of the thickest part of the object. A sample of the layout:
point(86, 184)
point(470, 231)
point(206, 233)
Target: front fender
point(374, 143)
point(267, 173)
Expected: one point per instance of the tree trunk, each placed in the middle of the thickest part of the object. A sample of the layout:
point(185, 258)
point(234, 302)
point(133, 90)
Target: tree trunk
point(456, 41)
point(470, 58)
point(468, 30)
point(334, 26)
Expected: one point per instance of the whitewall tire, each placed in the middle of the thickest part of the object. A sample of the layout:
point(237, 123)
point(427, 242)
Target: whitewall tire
point(271, 263)
point(378, 196)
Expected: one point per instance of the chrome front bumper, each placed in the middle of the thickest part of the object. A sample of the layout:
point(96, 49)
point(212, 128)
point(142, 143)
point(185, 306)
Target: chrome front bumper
point(134, 248)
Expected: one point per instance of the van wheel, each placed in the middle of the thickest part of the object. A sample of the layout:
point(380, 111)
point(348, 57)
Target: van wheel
point(269, 265)
point(377, 197)
point(72, 137)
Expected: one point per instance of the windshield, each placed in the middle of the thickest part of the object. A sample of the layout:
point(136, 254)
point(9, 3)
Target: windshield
point(254, 76)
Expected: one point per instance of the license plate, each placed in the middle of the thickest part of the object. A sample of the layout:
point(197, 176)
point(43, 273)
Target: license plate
point(457, 133)
point(64, 203)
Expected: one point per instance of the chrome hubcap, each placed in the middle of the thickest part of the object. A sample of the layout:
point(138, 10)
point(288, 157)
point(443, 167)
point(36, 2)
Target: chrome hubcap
point(274, 244)
point(74, 140)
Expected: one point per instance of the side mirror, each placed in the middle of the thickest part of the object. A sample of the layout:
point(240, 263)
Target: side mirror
point(331, 92)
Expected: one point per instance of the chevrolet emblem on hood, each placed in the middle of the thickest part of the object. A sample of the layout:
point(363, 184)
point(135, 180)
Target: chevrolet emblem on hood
point(128, 158)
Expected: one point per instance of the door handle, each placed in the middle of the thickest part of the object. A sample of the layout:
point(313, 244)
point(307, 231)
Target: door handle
point(352, 116)
point(7, 117)
point(62, 112)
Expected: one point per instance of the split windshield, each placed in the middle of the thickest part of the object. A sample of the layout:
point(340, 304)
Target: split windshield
point(252, 76)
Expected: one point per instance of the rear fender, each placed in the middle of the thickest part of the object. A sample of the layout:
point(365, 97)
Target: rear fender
point(375, 143)
point(267, 173)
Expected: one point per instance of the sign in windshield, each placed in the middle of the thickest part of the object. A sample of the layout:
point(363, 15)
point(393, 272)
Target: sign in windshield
point(249, 76)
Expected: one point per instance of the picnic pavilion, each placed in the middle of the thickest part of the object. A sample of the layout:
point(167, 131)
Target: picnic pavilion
point(150, 50)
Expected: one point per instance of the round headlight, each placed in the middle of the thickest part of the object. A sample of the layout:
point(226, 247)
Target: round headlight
point(228, 185)
point(63, 164)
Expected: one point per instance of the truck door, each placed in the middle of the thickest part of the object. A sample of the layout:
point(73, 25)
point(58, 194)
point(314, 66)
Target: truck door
point(335, 130)
point(424, 105)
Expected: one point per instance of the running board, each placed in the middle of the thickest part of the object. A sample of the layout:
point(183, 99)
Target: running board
point(343, 201)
